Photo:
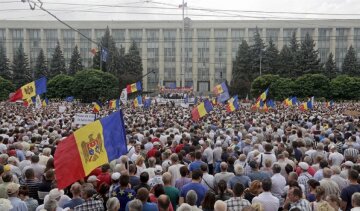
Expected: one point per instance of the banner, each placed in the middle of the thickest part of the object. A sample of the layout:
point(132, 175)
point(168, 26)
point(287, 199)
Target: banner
point(83, 119)
point(123, 96)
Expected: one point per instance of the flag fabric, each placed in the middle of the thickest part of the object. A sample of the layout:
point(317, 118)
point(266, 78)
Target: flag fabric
point(89, 147)
point(37, 101)
point(223, 97)
point(114, 104)
point(329, 104)
point(233, 104)
point(307, 105)
point(29, 101)
point(147, 102)
point(214, 101)
point(45, 102)
point(104, 54)
point(270, 103)
point(30, 90)
point(97, 107)
point(186, 99)
point(131, 88)
point(290, 101)
point(123, 96)
point(220, 88)
point(94, 51)
point(263, 95)
point(201, 110)
point(137, 101)
point(69, 99)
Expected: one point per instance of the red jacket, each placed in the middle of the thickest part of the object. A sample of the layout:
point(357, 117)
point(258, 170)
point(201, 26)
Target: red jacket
point(152, 152)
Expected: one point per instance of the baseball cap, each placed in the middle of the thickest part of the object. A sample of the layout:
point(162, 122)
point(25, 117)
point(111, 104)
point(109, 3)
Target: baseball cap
point(115, 176)
point(304, 165)
point(12, 188)
point(92, 179)
point(158, 169)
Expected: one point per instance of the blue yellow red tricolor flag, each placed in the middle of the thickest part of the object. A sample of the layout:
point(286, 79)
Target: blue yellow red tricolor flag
point(307, 105)
point(30, 90)
point(290, 101)
point(137, 101)
point(97, 107)
point(329, 104)
point(201, 110)
point(114, 104)
point(220, 88)
point(133, 87)
point(263, 95)
point(233, 104)
point(45, 102)
point(88, 148)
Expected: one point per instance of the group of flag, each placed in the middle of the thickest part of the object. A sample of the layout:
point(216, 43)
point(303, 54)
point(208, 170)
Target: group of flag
point(262, 103)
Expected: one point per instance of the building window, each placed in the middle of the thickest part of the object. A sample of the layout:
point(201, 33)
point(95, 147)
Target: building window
point(203, 86)
point(324, 43)
point(35, 40)
point(119, 37)
point(274, 35)
point(341, 46)
point(68, 45)
point(237, 36)
point(153, 58)
point(85, 48)
point(136, 35)
point(252, 32)
point(17, 38)
point(287, 35)
point(188, 55)
point(169, 55)
point(51, 36)
point(3, 37)
point(220, 55)
point(357, 42)
point(306, 31)
point(203, 54)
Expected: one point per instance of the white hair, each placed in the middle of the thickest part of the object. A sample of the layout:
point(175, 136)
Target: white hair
point(220, 206)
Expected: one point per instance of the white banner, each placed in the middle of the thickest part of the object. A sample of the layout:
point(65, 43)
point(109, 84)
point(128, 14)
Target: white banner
point(37, 101)
point(62, 109)
point(83, 119)
point(123, 96)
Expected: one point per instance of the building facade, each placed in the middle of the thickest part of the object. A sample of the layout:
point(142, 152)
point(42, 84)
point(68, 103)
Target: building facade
point(209, 46)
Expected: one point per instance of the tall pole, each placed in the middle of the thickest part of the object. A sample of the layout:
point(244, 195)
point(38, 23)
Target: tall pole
point(183, 46)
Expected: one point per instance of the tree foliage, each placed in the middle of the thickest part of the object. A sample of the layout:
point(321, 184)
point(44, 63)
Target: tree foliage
point(57, 64)
point(282, 88)
point(60, 86)
point(20, 68)
point(6, 87)
point(261, 83)
point(312, 85)
point(257, 53)
point(41, 68)
point(75, 62)
point(330, 67)
point(286, 67)
point(345, 87)
point(308, 59)
point(4, 64)
point(271, 62)
point(350, 65)
point(91, 85)
point(133, 62)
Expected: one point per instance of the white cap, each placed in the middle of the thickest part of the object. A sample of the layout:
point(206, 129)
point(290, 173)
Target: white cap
point(115, 176)
point(92, 179)
point(349, 163)
point(304, 165)
point(158, 169)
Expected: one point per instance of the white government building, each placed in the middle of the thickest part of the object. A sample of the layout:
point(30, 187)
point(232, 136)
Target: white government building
point(210, 46)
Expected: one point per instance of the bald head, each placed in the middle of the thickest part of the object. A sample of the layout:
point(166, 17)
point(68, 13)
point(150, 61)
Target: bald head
point(223, 166)
point(327, 172)
point(220, 206)
point(163, 202)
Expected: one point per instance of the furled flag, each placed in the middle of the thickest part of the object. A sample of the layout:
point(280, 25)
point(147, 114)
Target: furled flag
point(329, 104)
point(220, 88)
point(233, 104)
point(97, 107)
point(137, 101)
point(186, 99)
point(223, 97)
point(89, 147)
point(201, 110)
point(270, 103)
point(37, 101)
point(263, 95)
point(29, 101)
point(114, 104)
point(123, 96)
point(94, 51)
point(45, 102)
point(131, 88)
point(104, 54)
point(214, 101)
point(290, 101)
point(147, 102)
point(30, 90)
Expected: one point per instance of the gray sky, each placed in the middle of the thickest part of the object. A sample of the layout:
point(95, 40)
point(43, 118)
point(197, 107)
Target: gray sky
point(168, 9)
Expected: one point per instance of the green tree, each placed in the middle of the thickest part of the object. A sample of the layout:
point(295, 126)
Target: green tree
point(133, 63)
point(312, 85)
point(20, 68)
point(91, 85)
point(309, 61)
point(96, 61)
point(60, 86)
point(257, 52)
point(286, 66)
point(115, 61)
point(261, 83)
point(271, 62)
point(330, 67)
point(294, 52)
point(57, 64)
point(41, 68)
point(4, 64)
point(75, 62)
point(344, 87)
point(241, 71)
point(282, 88)
point(6, 87)
point(350, 65)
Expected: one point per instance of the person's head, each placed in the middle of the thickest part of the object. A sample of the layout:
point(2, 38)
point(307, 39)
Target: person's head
point(184, 171)
point(13, 189)
point(335, 170)
point(323, 164)
point(124, 181)
point(88, 192)
point(144, 177)
point(50, 175)
point(254, 165)
point(132, 169)
point(163, 202)
point(166, 178)
point(29, 173)
point(334, 201)
point(313, 184)
point(209, 200)
point(139, 160)
point(222, 186)
point(135, 205)
point(152, 162)
point(51, 205)
point(276, 168)
point(239, 170)
point(223, 166)
point(158, 189)
point(255, 187)
point(174, 158)
point(353, 175)
point(191, 198)
point(7, 177)
point(327, 173)
point(204, 168)
point(23, 192)
point(319, 193)
point(238, 189)
point(196, 175)
point(220, 206)
point(355, 199)
point(198, 155)
point(292, 176)
point(75, 189)
point(34, 159)
point(266, 185)
point(142, 194)
point(294, 194)
point(113, 204)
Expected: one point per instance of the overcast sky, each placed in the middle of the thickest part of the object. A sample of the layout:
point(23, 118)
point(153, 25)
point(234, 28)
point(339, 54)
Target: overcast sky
point(169, 9)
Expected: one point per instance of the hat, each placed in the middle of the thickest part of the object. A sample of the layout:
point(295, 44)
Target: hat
point(92, 179)
point(304, 165)
point(12, 188)
point(115, 176)
point(349, 163)
point(55, 193)
point(29, 154)
point(158, 170)
point(156, 143)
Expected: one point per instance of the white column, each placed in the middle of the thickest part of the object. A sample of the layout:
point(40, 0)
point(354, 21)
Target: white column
point(178, 56)
point(281, 39)
point(161, 57)
point(351, 37)
point(144, 58)
point(316, 37)
point(127, 40)
point(195, 60)
point(212, 58)
point(228, 56)
point(9, 45)
point(333, 41)
point(298, 34)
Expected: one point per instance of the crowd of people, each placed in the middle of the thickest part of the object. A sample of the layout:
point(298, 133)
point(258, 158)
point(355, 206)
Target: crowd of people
point(283, 159)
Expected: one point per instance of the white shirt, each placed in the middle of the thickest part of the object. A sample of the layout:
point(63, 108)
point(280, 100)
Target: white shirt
point(269, 202)
point(131, 150)
point(208, 152)
point(134, 156)
point(24, 163)
point(174, 170)
point(278, 185)
point(208, 181)
point(3, 148)
point(336, 158)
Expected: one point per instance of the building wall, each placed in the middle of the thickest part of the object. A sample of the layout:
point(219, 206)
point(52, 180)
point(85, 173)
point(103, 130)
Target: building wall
point(209, 46)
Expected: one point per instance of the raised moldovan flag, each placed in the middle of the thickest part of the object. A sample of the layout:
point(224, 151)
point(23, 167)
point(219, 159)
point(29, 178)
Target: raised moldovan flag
point(114, 104)
point(45, 102)
point(220, 88)
point(233, 104)
point(88, 148)
point(131, 88)
point(201, 110)
point(30, 90)
point(97, 107)
point(137, 101)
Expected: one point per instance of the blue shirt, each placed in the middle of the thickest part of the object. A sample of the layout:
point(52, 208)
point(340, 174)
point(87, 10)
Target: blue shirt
point(199, 188)
point(147, 206)
point(195, 165)
point(245, 180)
point(124, 196)
point(73, 203)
